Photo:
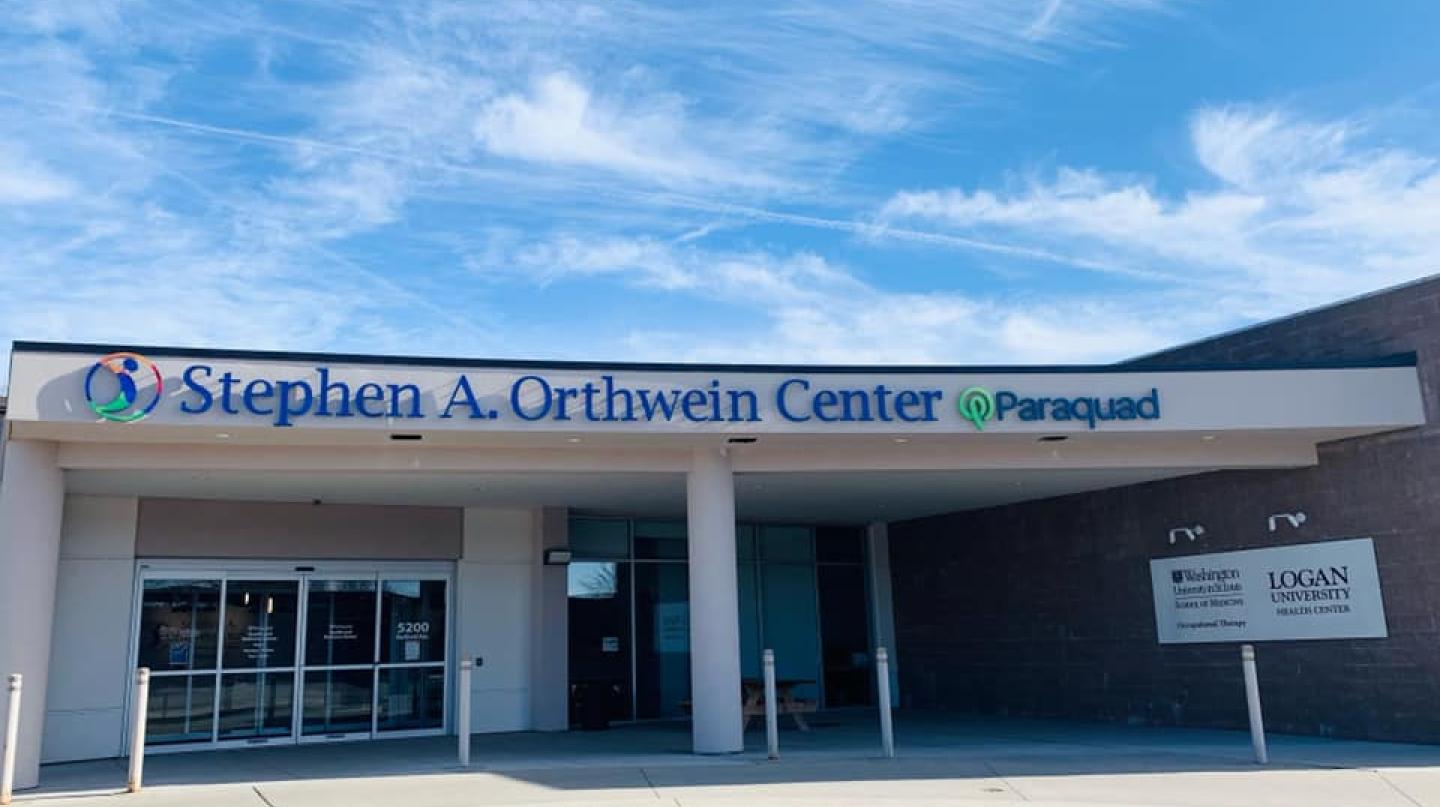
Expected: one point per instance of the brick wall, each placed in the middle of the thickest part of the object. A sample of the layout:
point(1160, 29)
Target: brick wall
point(1044, 608)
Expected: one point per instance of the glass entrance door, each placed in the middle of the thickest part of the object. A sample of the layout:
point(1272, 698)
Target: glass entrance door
point(232, 654)
point(257, 677)
point(340, 641)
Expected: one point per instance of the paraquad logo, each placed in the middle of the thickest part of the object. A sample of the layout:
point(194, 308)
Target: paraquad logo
point(114, 387)
point(977, 405)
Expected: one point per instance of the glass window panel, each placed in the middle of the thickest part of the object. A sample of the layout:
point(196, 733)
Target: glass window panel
point(599, 641)
point(413, 616)
point(791, 626)
point(600, 539)
point(412, 698)
point(179, 620)
point(745, 542)
point(337, 701)
point(844, 635)
point(786, 545)
point(749, 621)
point(340, 622)
point(591, 580)
point(260, 623)
point(840, 544)
point(181, 708)
point(662, 640)
point(661, 540)
point(256, 704)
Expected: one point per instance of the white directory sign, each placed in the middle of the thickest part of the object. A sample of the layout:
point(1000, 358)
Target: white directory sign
point(1327, 590)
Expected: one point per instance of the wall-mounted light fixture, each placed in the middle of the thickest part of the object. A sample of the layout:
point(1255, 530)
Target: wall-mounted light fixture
point(1293, 519)
point(1186, 532)
point(557, 557)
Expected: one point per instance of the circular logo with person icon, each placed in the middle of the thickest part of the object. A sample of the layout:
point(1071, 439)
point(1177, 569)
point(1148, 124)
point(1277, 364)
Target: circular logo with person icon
point(123, 387)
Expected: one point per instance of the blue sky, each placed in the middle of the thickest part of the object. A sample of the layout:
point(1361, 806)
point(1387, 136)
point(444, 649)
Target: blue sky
point(976, 181)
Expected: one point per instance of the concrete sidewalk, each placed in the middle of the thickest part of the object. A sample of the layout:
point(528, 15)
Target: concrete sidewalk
point(943, 760)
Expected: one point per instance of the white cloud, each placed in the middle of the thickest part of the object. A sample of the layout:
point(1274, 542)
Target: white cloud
point(24, 181)
point(812, 310)
point(1298, 213)
point(560, 121)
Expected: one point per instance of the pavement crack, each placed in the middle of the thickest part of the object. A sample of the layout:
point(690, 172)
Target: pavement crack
point(653, 789)
point(995, 772)
point(261, 796)
point(1397, 788)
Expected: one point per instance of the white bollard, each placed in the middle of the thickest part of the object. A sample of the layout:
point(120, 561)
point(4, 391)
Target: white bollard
point(882, 685)
point(1252, 701)
point(467, 669)
point(772, 709)
point(137, 729)
point(12, 734)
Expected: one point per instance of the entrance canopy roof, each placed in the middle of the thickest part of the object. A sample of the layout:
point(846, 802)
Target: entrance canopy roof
point(813, 442)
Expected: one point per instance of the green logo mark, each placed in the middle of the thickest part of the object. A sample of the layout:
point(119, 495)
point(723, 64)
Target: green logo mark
point(976, 405)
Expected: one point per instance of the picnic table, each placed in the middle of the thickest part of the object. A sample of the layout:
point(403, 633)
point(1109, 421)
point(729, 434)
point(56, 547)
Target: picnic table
point(785, 701)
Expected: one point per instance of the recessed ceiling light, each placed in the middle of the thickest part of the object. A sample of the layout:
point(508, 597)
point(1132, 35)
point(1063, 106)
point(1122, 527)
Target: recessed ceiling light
point(902, 439)
point(223, 435)
point(1207, 437)
point(572, 439)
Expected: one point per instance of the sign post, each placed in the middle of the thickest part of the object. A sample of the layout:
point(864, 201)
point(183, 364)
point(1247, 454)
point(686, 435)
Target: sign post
point(1252, 702)
point(462, 710)
point(12, 734)
point(137, 725)
point(882, 685)
point(772, 718)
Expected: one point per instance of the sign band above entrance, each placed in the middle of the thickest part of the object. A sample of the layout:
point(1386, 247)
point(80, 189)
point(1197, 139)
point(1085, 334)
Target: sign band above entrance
point(608, 399)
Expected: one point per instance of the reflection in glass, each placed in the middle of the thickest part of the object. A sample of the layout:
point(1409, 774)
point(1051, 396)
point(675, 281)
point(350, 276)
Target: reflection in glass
point(599, 641)
point(337, 701)
point(844, 635)
point(662, 639)
point(412, 698)
point(181, 709)
point(256, 705)
point(340, 622)
point(786, 544)
point(749, 590)
point(178, 621)
point(840, 544)
point(592, 581)
point(413, 617)
point(790, 623)
point(661, 540)
point(600, 538)
point(260, 623)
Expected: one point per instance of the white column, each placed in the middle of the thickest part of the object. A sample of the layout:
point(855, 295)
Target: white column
point(550, 676)
point(32, 499)
point(714, 605)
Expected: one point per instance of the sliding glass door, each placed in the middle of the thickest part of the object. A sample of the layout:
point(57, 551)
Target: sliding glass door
point(249, 658)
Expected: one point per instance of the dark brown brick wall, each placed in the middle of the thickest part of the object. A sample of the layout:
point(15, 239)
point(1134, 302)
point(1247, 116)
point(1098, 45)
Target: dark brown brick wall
point(1044, 608)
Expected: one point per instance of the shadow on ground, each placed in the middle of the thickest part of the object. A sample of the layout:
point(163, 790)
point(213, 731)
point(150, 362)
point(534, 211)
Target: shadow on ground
point(986, 753)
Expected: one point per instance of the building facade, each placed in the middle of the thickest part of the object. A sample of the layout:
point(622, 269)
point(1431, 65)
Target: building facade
point(301, 547)
point(1062, 626)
